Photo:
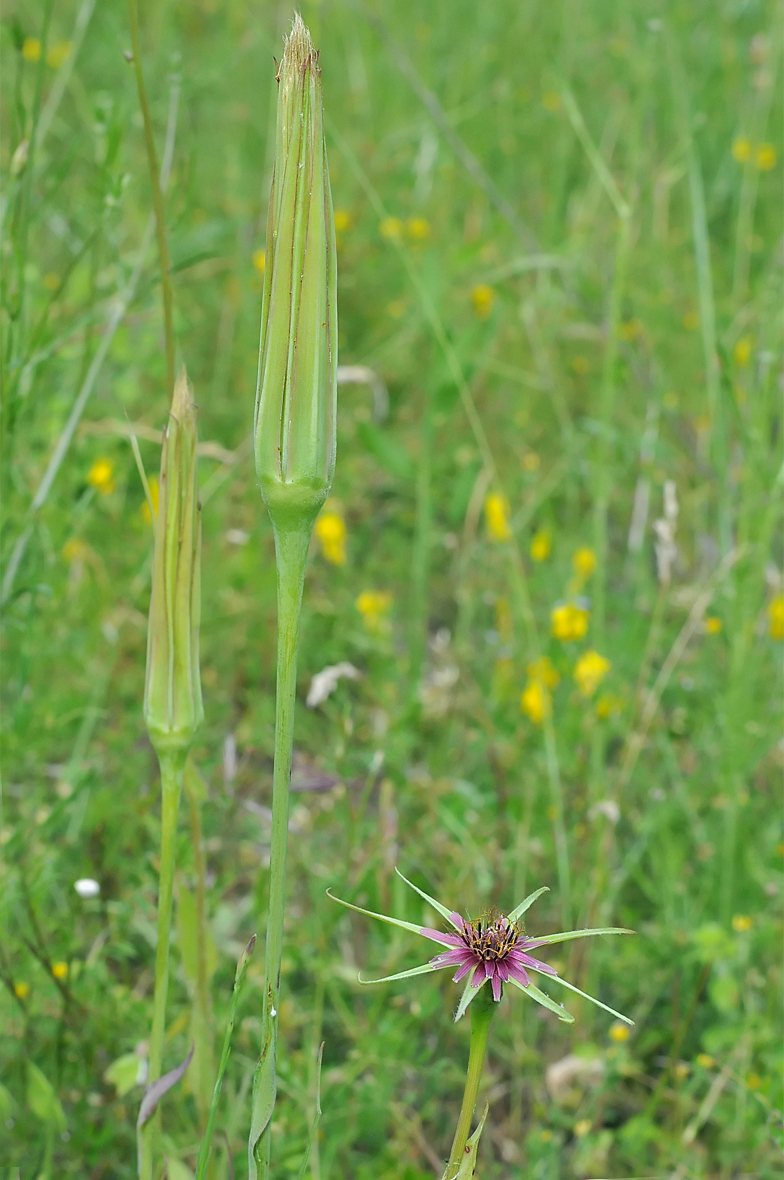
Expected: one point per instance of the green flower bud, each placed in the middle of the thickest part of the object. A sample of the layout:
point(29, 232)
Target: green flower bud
point(173, 707)
point(296, 397)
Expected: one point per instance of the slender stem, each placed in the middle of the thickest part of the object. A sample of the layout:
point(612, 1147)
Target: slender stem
point(291, 551)
point(157, 199)
point(172, 764)
point(482, 1011)
point(420, 563)
point(202, 1013)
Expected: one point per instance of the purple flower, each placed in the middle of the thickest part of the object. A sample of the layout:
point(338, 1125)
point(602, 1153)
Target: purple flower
point(492, 947)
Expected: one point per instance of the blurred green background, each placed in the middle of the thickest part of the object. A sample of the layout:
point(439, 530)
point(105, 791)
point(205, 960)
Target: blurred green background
point(560, 254)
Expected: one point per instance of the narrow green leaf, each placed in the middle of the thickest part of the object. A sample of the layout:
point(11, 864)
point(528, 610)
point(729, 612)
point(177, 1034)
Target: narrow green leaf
point(566, 935)
point(469, 993)
point(599, 1004)
point(381, 917)
point(441, 909)
point(423, 970)
point(468, 1163)
point(535, 994)
point(529, 901)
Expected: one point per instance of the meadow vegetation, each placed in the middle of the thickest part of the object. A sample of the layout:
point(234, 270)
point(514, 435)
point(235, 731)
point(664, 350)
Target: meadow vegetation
point(550, 567)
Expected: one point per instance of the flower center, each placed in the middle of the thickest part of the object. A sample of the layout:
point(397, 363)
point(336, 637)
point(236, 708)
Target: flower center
point(491, 937)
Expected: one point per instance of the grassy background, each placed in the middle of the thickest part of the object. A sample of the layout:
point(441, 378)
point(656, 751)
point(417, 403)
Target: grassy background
point(588, 383)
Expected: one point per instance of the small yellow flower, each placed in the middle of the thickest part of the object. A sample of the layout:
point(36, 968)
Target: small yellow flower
point(691, 321)
point(584, 562)
point(766, 157)
point(590, 671)
point(58, 54)
point(569, 621)
point(753, 1081)
point(681, 1071)
point(391, 227)
point(547, 1135)
point(535, 701)
point(373, 605)
point(551, 101)
point(22, 990)
point(497, 517)
point(155, 491)
point(582, 1127)
point(31, 49)
point(541, 546)
point(60, 970)
point(543, 671)
point(100, 476)
point(418, 229)
point(75, 549)
point(483, 299)
point(330, 531)
point(741, 150)
point(713, 625)
point(705, 1060)
point(741, 923)
point(581, 365)
point(619, 1032)
point(260, 260)
point(343, 220)
point(742, 351)
point(776, 618)
point(531, 461)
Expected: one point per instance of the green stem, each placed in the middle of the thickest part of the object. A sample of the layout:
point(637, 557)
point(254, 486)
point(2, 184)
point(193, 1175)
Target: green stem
point(157, 199)
point(482, 1011)
point(291, 550)
point(420, 563)
point(202, 1012)
point(172, 763)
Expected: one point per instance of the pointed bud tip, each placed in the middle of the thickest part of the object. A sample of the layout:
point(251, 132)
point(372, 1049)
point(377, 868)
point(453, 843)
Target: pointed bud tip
point(182, 398)
point(298, 49)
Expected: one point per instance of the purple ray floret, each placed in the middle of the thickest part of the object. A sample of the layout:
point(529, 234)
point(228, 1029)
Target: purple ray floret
point(493, 947)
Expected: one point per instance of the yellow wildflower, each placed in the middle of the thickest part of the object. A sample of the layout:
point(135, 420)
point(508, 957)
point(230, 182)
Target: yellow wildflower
point(100, 476)
point(753, 1081)
point(584, 562)
point(766, 157)
point(619, 1032)
point(741, 923)
point(546, 1136)
point(260, 260)
point(22, 990)
point(497, 517)
point(713, 625)
point(742, 351)
point(343, 220)
point(373, 606)
point(483, 299)
point(590, 671)
point(391, 227)
point(75, 549)
point(569, 621)
point(681, 1071)
point(541, 546)
point(741, 149)
point(582, 1127)
point(31, 49)
point(58, 54)
point(705, 1060)
point(543, 671)
point(155, 492)
point(551, 101)
point(776, 618)
point(418, 228)
point(535, 701)
point(330, 531)
point(60, 970)
point(691, 321)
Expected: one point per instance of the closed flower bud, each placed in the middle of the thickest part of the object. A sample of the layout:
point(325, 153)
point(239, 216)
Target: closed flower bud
point(297, 388)
point(173, 707)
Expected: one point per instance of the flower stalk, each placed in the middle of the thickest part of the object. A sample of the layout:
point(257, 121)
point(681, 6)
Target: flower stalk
point(294, 444)
point(482, 1012)
point(173, 709)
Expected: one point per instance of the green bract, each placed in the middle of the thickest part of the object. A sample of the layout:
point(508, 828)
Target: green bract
point(296, 396)
point(173, 709)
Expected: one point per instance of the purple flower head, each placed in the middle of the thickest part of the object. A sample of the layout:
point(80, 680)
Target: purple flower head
point(492, 947)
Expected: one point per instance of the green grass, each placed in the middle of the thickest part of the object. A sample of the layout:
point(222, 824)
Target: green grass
point(598, 373)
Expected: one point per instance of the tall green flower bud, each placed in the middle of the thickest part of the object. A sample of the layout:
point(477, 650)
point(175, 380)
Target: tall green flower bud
point(296, 396)
point(173, 707)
